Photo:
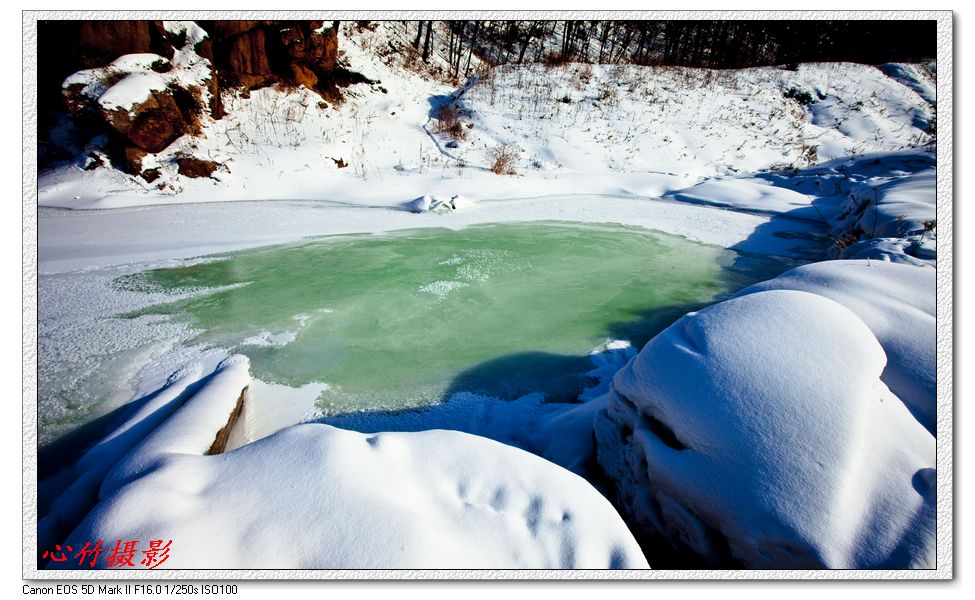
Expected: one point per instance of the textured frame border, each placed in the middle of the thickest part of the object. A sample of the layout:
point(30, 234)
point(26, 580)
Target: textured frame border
point(945, 298)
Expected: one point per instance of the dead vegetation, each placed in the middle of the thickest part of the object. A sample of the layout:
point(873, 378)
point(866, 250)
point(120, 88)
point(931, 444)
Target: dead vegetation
point(503, 159)
point(448, 122)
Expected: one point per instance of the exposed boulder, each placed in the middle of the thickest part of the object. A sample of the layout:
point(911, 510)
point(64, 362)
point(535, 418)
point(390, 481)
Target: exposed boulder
point(146, 99)
point(151, 175)
point(133, 159)
point(195, 167)
point(151, 124)
point(253, 54)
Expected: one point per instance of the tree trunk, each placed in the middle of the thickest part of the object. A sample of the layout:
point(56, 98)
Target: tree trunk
point(527, 41)
point(467, 69)
point(426, 41)
point(419, 34)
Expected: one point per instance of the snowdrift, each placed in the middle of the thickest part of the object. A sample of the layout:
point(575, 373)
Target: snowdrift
point(757, 432)
point(313, 496)
point(898, 303)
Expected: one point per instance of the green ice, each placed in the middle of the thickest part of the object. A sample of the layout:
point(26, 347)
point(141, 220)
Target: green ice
point(399, 320)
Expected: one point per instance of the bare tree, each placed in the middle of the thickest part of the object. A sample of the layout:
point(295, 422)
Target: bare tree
point(426, 41)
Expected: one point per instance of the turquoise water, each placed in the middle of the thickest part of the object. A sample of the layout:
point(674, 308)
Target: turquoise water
point(399, 320)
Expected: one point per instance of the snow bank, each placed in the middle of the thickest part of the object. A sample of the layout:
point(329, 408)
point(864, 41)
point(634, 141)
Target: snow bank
point(312, 496)
point(894, 217)
point(898, 303)
point(757, 432)
point(748, 194)
point(191, 431)
point(89, 472)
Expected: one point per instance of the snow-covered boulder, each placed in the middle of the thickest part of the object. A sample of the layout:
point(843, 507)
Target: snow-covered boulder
point(314, 496)
point(420, 205)
point(439, 204)
point(758, 432)
point(898, 303)
point(148, 99)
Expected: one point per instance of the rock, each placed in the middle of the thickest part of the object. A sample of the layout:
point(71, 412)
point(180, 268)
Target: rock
point(101, 42)
point(304, 76)
point(246, 54)
point(151, 175)
point(194, 167)
point(133, 160)
point(253, 54)
point(151, 125)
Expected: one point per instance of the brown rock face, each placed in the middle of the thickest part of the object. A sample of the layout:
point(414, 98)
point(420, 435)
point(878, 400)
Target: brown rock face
point(195, 167)
point(133, 160)
point(151, 175)
point(304, 76)
point(152, 125)
point(101, 42)
point(253, 54)
point(247, 55)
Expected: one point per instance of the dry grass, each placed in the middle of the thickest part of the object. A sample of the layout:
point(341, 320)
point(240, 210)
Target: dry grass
point(448, 123)
point(503, 159)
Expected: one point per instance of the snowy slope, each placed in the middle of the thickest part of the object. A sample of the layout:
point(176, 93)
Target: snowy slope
point(572, 129)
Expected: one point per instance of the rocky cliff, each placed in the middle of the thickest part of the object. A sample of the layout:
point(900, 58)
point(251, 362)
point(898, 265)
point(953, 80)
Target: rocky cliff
point(139, 85)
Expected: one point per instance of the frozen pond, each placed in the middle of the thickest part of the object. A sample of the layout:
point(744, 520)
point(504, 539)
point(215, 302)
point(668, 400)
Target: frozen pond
point(405, 319)
point(397, 320)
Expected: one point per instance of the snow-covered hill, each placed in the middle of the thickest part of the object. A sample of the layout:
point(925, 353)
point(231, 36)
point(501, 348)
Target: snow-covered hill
point(575, 128)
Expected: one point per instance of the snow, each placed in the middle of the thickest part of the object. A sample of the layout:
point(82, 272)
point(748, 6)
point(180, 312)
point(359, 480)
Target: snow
point(88, 473)
point(132, 91)
point(298, 499)
point(748, 194)
point(191, 430)
point(194, 33)
point(269, 339)
point(898, 303)
point(758, 432)
point(891, 209)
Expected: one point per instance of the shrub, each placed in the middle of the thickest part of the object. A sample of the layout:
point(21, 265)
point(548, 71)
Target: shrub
point(449, 123)
point(802, 97)
point(503, 159)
